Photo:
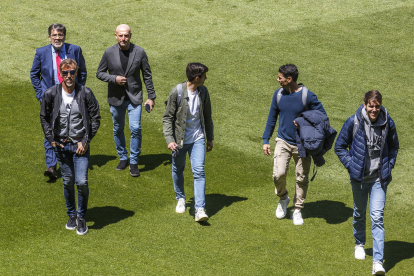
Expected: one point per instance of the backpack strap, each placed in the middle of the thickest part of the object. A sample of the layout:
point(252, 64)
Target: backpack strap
point(278, 96)
point(356, 126)
point(304, 97)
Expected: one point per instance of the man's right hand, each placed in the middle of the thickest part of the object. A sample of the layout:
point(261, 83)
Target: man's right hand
point(266, 149)
point(120, 80)
point(172, 146)
point(54, 145)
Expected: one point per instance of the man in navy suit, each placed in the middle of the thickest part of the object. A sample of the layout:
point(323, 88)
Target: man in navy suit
point(45, 74)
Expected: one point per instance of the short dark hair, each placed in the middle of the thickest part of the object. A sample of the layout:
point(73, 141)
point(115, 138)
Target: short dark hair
point(58, 27)
point(289, 70)
point(195, 70)
point(66, 62)
point(373, 96)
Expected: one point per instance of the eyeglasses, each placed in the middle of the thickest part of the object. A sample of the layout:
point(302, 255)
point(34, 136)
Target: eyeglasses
point(65, 73)
point(57, 35)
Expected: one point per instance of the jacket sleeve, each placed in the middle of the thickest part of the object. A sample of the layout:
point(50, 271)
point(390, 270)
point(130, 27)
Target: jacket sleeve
point(344, 142)
point(82, 74)
point(147, 76)
point(315, 104)
point(101, 73)
point(94, 115)
point(393, 143)
point(271, 120)
point(208, 121)
point(45, 115)
point(35, 75)
point(169, 116)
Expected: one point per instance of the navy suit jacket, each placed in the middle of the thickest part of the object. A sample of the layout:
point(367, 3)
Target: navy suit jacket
point(42, 68)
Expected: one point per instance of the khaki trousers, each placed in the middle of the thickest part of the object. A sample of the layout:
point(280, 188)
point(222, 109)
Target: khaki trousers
point(283, 153)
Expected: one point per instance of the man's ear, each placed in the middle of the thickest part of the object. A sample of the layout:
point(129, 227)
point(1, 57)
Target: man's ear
point(289, 79)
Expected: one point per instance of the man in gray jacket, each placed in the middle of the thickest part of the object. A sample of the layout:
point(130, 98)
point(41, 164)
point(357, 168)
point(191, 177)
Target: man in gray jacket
point(124, 62)
point(187, 125)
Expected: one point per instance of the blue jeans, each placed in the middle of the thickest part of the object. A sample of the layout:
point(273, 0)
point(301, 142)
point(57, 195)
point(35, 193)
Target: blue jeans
point(74, 169)
point(50, 155)
point(118, 119)
point(197, 153)
point(376, 196)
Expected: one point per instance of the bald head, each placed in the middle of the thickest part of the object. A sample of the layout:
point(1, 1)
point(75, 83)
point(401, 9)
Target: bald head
point(123, 35)
point(123, 27)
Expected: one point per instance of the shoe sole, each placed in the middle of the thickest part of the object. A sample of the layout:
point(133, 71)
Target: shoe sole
point(379, 273)
point(70, 228)
point(134, 175)
point(82, 233)
point(179, 212)
point(120, 169)
point(298, 223)
point(201, 219)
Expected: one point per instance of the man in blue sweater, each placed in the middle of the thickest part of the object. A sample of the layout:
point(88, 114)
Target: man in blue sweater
point(289, 105)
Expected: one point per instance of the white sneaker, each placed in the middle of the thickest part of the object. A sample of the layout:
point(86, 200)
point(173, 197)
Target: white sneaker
point(359, 252)
point(297, 217)
point(377, 269)
point(281, 209)
point(180, 206)
point(201, 215)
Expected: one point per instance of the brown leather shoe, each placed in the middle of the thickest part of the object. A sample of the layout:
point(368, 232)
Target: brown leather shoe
point(51, 172)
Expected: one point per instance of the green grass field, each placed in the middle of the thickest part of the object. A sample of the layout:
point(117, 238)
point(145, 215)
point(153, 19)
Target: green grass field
point(342, 48)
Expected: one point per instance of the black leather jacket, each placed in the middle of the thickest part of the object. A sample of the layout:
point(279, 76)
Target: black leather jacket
point(88, 106)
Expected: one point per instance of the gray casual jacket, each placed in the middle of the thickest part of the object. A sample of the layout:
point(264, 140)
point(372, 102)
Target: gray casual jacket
point(174, 119)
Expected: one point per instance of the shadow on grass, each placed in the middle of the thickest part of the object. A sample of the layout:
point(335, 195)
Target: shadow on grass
point(100, 160)
point(103, 216)
point(152, 161)
point(334, 212)
point(214, 203)
point(394, 252)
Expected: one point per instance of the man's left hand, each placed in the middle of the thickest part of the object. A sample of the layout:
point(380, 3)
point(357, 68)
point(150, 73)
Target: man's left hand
point(81, 149)
point(151, 103)
point(296, 124)
point(209, 146)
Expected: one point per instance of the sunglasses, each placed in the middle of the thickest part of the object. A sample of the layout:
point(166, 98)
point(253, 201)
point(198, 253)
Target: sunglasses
point(65, 73)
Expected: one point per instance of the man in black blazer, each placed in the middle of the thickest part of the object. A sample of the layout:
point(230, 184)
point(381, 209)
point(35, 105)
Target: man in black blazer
point(120, 67)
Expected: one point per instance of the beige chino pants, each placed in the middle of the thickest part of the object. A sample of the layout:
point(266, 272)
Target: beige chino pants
point(283, 153)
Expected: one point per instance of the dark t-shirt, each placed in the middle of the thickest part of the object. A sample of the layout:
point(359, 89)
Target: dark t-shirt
point(124, 55)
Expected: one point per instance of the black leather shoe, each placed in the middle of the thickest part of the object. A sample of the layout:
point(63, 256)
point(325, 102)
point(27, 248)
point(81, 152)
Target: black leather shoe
point(51, 173)
point(133, 170)
point(122, 165)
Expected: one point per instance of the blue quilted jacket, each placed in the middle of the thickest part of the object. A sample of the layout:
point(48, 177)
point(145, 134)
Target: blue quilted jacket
point(354, 159)
point(314, 136)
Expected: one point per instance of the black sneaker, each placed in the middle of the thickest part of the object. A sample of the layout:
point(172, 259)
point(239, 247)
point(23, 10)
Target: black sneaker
point(122, 165)
point(71, 225)
point(133, 169)
point(81, 229)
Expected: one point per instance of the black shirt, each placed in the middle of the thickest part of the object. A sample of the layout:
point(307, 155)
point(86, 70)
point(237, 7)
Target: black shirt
point(124, 55)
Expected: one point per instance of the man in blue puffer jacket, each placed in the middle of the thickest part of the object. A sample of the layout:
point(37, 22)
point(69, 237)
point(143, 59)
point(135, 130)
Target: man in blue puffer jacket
point(373, 146)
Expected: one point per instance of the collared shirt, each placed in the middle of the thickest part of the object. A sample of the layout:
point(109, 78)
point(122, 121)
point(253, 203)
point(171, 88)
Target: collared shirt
point(62, 54)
